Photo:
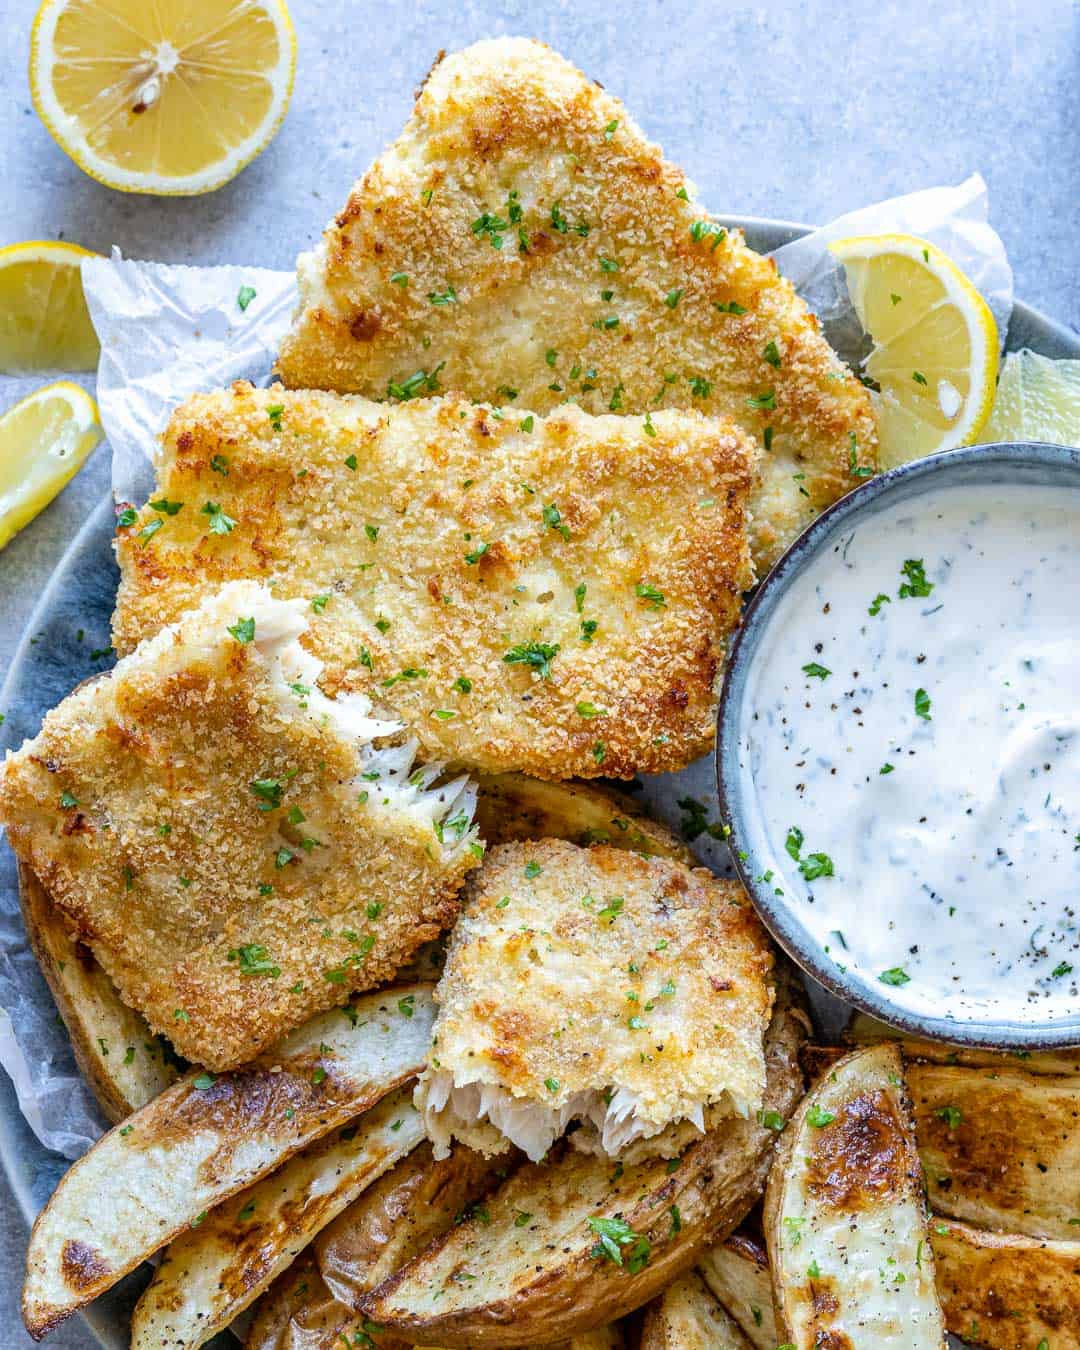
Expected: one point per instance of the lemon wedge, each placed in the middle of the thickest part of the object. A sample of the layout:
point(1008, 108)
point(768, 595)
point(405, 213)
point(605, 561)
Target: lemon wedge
point(1037, 400)
point(164, 98)
point(44, 441)
point(935, 354)
point(44, 322)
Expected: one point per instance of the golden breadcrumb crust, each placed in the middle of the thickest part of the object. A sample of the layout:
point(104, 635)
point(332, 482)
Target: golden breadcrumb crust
point(134, 807)
point(435, 540)
point(575, 969)
point(523, 243)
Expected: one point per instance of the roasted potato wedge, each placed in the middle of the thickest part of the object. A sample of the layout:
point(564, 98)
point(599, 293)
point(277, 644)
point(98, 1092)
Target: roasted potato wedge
point(512, 806)
point(120, 1057)
point(418, 1201)
point(845, 1215)
point(215, 1270)
point(866, 1030)
point(737, 1272)
point(687, 1317)
point(566, 1245)
point(298, 1312)
point(1007, 1291)
point(205, 1138)
point(1000, 1148)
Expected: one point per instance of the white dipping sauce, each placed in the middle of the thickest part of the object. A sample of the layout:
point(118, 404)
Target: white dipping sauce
point(935, 767)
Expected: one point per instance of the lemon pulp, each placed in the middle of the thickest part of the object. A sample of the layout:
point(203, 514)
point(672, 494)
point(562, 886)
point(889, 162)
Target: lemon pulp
point(44, 322)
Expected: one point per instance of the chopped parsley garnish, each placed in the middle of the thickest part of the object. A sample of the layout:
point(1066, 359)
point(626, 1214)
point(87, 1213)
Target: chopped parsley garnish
point(149, 530)
point(951, 1115)
point(816, 865)
point(896, 976)
point(399, 279)
point(220, 523)
point(646, 592)
point(421, 381)
point(922, 705)
point(608, 265)
point(526, 423)
point(204, 1082)
point(599, 752)
point(772, 354)
point(447, 297)
point(552, 1084)
point(243, 630)
point(532, 869)
point(918, 377)
point(491, 227)
point(815, 671)
point(275, 413)
point(166, 507)
point(794, 842)
point(253, 960)
point(537, 655)
point(618, 1241)
point(588, 630)
point(405, 1005)
point(521, 1218)
point(880, 599)
point(220, 465)
point(268, 791)
point(730, 307)
point(856, 469)
point(764, 402)
point(554, 521)
point(706, 229)
point(319, 603)
point(886, 768)
point(610, 129)
point(350, 462)
point(1062, 968)
point(372, 532)
point(409, 673)
point(579, 597)
point(771, 1120)
point(244, 296)
point(673, 297)
point(819, 1117)
point(590, 710)
point(916, 585)
point(67, 801)
point(128, 516)
point(462, 684)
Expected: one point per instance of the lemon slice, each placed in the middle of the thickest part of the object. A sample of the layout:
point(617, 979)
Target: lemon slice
point(162, 97)
point(935, 354)
point(44, 322)
point(44, 441)
point(1037, 400)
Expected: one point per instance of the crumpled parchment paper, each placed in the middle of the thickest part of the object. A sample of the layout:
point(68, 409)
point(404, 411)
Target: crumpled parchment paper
point(167, 331)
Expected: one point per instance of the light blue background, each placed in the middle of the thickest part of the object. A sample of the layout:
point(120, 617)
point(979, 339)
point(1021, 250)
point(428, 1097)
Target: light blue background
point(800, 111)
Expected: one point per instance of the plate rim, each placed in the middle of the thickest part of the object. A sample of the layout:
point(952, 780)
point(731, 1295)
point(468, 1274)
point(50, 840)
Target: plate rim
point(105, 1330)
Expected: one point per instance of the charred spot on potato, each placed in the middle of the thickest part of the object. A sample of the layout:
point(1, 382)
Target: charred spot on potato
point(860, 1158)
point(365, 325)
point(82, 1265)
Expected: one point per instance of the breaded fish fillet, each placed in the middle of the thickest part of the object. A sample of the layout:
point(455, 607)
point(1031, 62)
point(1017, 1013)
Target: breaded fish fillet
point(549, 595)
point(523, 243)
point(628, 993)
point(226, 840)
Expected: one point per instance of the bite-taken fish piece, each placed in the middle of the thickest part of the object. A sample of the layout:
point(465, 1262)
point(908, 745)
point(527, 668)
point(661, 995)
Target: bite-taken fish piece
point(628, 994)
point(523, 243)
point(548, 595)
point(231, 844)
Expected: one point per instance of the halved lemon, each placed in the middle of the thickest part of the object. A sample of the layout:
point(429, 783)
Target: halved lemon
point(935, 354)
point(170, 97)
point(44, 322)
point(44, 441)
point(1037, 400)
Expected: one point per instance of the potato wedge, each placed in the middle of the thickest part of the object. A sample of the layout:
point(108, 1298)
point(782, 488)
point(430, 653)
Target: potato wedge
point(845, 1215)
point(298, 1310)
point(866, 1030)
point(204, 1139)
point(737, 1272)
point(214, 1271)
point(687, 1317)
point(513, 806)
point(1006, 1291)
point(120, 1057)
point(418, 1201)
point(1000, 1148)
point(568, 1244)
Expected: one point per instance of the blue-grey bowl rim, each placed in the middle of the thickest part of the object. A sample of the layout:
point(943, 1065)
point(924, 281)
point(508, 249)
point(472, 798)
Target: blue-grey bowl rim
point(1019, 461)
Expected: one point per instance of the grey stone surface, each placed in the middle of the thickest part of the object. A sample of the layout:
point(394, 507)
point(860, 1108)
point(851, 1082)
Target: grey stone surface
point(796, 110)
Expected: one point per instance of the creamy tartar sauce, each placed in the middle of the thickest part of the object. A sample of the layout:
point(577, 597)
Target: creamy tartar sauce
point(912, 740)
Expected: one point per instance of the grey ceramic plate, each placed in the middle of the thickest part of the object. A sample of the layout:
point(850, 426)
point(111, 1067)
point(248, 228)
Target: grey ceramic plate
point(80, 595)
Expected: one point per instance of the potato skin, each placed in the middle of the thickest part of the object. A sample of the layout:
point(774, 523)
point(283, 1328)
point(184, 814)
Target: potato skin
point(539, 1282)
